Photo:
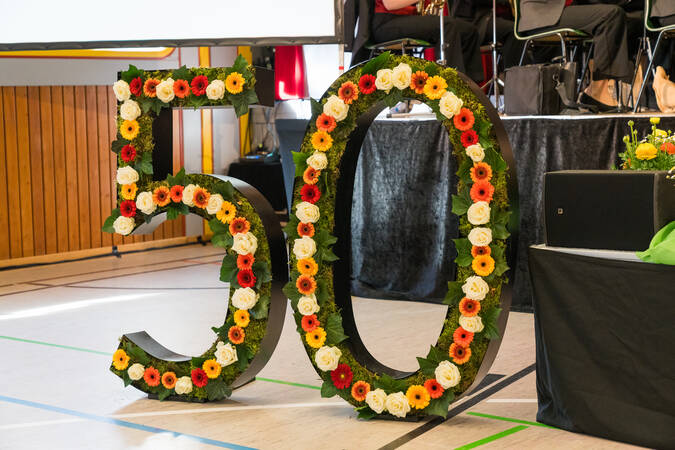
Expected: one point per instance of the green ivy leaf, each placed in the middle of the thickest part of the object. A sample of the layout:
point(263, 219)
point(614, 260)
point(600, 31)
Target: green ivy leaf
point(500, 232)
point(144, 163)
point(431, 69)
point(495, 160)
point(126, 379)
point(500, 260)
point(490, 317)
point(228, 268)
point(240, 105)
point(197, 363)
point(118, 144)
point(217, 226)
point(197, 102)
point(157, 106)
point(365, 413)
point(464, 171)
point(261, 308)
point(131, 73)
point(426, 366)
point(225, 189)
point(108, 224)
point(322, 293)
point(390, 385)
point(138, 354)
point(300, 161)
point(291, 228)
point(182, 73)
point(328, 389)
point(244, 355)
point(292, 292)
point(375, 64)
point(463, 247)
point(317, 109)
point(461, 202)
point(393, 98)
point(454, 294)
point(221, 240)
point(146, 104)
point(334, 331)
point(163, 394)
point(329, 256)
point(240, 64)
point(439, 406)
point(217, 390)
point(262, 272)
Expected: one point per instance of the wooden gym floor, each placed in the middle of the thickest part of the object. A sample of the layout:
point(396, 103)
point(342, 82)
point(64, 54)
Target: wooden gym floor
point(59, 325)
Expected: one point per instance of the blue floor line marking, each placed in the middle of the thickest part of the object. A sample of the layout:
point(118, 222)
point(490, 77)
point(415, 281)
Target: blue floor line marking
point(122, 423)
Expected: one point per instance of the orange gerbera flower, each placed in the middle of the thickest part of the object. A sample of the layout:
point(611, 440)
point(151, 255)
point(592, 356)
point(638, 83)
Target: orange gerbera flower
point(310, 323)
point(236, 335)
point(311, 176)
point(150, 87)
point(181, 88)
point(469, 307)
point(464, 120)
point(201, 198)
point(668, 147)
point(481, 172)
point(307, 266)
point(212, 368)
point(306, 285)
point(234, 83)
point(161, 196)
point(459, 354)
point(482, 191)
point(227, 212)
point(242, 318)
point(348, 92)
point(462, 337)
point(359, 390)
point(306, 229)
point(477, 251)
point(169, 380)
point(239, 225)
point(483, 265)
point(321, 141)
point(418, 80)
point(418, 397)
point(245, 262)
point(435, 86)
point(128, 191)
point(176, 193)
point(151, 376)
point(326, 123)
point(434, 388)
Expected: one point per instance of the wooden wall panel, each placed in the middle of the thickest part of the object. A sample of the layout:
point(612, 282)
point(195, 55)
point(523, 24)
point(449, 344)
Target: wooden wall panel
point(60, 173)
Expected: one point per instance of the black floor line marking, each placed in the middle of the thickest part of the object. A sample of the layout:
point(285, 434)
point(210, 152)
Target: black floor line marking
point(433, 423)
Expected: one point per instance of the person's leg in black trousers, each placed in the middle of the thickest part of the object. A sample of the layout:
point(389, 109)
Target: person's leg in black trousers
point(461, 38)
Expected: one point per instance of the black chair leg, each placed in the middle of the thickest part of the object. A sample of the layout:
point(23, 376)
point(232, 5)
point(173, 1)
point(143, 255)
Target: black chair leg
point(584, 69)
point(647, 72)
point(522, 55)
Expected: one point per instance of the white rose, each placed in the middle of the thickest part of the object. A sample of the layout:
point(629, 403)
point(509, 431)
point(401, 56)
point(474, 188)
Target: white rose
point(475, 152)
point(144, 203)
point(308, 305)
point(450, 104)
point(225, 354)
point(121, 89)
point(376, 400)
point(475, 288)
point(165, 90)
point(478, 213)
point(336, 108)
point(304, 247)
point(244, 298)
point(397, 404)
point(384, 79)
point(447, 374)
point(130, 110)
point(480, 236)
point(401, 76)
point(307, 212)
point(136, 371)
point(183, 386)
point(327, 358)
point(318, 161)
point(126, 175)
point(214, 204)
point(215, 90)
point(245, 243)
point(124, 225)
point(473, 324)
point(189, 194)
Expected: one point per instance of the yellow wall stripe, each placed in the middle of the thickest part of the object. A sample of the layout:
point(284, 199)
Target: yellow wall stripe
point(244, 130)
point(92, 54)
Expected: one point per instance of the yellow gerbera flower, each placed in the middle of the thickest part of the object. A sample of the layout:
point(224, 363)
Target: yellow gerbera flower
point(227, 212)
point(483, 265)
point(128, 191)
point(307, 266)
point(212, 368)
point(316, 338)
point(322, 141)
point(418, 396)
point(120, 359)
point(435, 86)
point(242, 318)
point(234, 83)
point(129, 129)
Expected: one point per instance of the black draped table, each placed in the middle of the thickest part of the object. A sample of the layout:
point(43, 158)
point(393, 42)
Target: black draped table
point(604, 342)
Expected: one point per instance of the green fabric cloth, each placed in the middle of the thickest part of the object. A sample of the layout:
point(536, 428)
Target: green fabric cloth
point(662, 248)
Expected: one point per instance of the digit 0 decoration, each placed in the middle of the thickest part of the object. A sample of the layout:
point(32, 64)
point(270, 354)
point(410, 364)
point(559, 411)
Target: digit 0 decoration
point(320, 241)
point(241, 219)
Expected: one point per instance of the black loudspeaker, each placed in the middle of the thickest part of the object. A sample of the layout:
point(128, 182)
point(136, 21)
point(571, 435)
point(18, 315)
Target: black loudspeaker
point(606, 209)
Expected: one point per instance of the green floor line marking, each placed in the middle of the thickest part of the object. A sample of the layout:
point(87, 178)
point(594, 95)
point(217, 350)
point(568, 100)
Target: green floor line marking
point(49, 344)
point(270, 380)
point(508, 419)
point(492, 438)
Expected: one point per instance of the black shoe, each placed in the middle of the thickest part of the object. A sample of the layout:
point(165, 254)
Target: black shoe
point(586, 99)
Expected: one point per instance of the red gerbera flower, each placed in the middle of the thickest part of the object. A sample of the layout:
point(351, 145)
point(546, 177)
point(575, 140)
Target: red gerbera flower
point(367, 84)
point(464, 120)
point(434, 388)
point(245, 262)
point(199, 377)
point(305, 229)
point(482, 191)
point(348, 92)
point(469, 137)
point(481, 171)
point(326, 123)
point(479, 251)
point(246, 278)
point(310, 323)
point(462, 337)
point(176, 193)
point(181, 88)
point(128, 208)
point(151, 376)
point(310, 193)
point(236, 335)
point(469, 307)
point(239, 225)
point(128, 153)
point(136, 86)
point(199, 84)
point(459, 354)
point(342, 376)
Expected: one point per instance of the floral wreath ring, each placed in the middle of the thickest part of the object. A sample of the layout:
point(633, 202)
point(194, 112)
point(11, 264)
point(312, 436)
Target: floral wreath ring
point(319, 237)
